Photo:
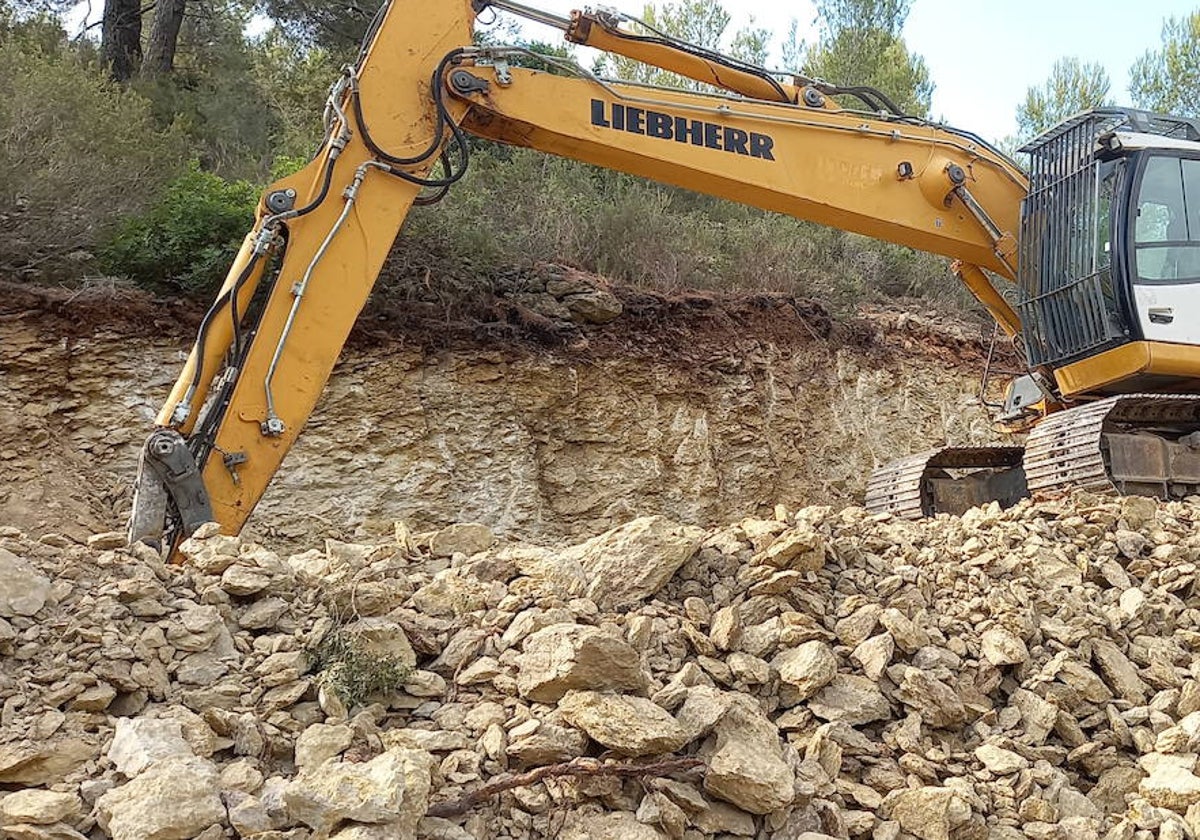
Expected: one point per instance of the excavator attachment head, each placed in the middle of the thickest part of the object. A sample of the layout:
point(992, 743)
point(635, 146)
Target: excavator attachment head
point(168, 480)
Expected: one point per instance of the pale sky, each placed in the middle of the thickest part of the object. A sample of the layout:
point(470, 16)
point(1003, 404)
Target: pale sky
point(982, 55)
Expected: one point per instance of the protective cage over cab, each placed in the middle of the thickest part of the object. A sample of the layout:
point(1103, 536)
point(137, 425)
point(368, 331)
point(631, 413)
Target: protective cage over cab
point(1109, 264)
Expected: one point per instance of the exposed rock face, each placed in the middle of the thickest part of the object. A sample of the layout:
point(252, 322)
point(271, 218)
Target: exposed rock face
point(463, 538)
point(733, 407)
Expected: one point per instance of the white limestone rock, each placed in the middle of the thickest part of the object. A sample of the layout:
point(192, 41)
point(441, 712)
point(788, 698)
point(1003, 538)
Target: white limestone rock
point(23, 589)
point(175, 799)
point(392, 788)
point(140, 742)
point(630, 563)
point(631, 726)
point(562, 657)
point(745, 764)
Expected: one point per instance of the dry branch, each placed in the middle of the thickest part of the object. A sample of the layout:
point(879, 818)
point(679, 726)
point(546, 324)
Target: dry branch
point(575, 767)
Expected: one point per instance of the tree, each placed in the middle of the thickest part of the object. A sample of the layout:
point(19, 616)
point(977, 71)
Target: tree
point(700, 22)
point(792, 48)
point(164, 36)
point(861, 45)
point(1168, 79)
point(1073, 86)
point(293, 81)
point(121, 38)
point(34, 29)
point(751, 44)
point(78, 152)
point(220, 94)
point(864, 15)
point(335, 26)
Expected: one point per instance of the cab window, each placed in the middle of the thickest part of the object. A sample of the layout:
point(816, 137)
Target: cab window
point(1167, 224)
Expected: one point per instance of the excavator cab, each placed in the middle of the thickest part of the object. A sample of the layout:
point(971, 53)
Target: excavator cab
point(1109, 263)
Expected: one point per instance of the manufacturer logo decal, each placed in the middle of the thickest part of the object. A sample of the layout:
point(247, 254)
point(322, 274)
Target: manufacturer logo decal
point(682, 130)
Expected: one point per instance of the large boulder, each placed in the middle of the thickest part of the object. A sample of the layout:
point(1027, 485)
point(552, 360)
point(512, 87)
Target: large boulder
point(321, 742)
point(392, 788)
point(140, 742)
point(850, 699)
point(176, 798)
point(1171, 784)
point(562, 657)
point(746, 765)
point(630, 563)
point(929, 813)
point(44, 762)
point(23, 589)
point(804, 671)
point(39, 807)
point(463, 538)
point(629, 725)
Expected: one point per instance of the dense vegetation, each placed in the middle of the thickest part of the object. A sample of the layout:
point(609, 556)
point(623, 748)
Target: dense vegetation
point(140, 155)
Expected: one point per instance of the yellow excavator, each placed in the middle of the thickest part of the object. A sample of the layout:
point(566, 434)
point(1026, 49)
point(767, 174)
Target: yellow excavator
point(1089, 261)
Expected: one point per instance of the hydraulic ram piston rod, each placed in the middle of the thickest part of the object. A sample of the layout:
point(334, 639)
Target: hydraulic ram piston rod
point(526, 12)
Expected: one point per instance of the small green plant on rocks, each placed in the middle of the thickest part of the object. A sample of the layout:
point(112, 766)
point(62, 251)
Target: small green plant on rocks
point(353, 673)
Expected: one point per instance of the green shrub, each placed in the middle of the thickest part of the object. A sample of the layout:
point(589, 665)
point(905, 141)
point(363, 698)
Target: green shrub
point(77, 153)
point(187, 240)
point(352, 672)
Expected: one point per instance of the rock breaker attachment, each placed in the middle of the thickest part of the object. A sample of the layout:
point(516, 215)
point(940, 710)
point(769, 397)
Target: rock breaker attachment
point(167, 475)
point(1135, 444)
point(950, 480)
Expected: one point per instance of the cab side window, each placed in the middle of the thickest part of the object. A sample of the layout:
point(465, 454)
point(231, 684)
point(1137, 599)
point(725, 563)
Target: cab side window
point(1167, 224)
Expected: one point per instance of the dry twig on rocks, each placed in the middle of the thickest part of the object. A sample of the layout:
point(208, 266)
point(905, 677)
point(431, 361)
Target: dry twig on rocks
point(575, 767)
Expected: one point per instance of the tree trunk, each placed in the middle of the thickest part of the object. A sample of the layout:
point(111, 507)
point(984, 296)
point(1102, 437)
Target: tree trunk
point(121, 37)
point(164, 36)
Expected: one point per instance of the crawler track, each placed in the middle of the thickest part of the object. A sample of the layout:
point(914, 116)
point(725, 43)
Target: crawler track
point(1143, 444)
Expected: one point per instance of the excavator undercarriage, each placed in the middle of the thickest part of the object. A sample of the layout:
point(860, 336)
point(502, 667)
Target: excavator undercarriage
point(1134, 444)
point(948, 480)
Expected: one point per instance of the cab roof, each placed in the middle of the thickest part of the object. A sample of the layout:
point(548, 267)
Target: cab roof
point(1111, 119)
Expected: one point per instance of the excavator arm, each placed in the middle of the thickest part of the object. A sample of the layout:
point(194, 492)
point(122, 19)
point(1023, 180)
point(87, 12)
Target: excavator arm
point(268, 344)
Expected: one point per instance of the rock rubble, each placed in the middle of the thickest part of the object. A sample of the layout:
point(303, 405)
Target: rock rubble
point(1029, 673)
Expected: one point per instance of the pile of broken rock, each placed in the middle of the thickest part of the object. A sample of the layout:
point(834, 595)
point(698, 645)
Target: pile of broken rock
point(1022, 674)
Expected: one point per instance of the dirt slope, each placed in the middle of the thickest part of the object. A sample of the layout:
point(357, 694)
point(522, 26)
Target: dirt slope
point(697, 407)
